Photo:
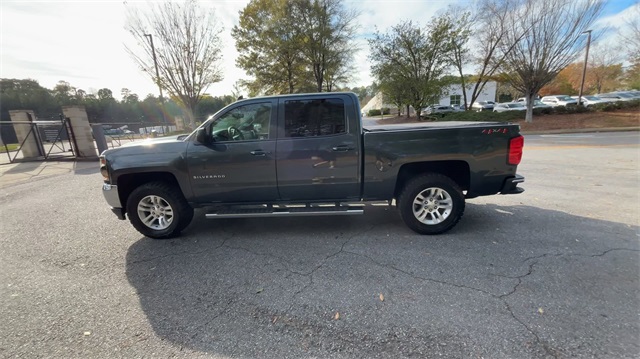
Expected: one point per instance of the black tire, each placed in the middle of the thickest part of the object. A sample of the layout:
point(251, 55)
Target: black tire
point(447, 216)
point(166, 194)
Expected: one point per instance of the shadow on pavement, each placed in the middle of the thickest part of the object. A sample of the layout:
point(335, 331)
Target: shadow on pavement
point(516, 281)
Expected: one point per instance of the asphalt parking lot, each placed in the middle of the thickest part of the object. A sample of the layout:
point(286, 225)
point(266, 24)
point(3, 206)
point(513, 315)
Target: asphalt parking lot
point(553, 272)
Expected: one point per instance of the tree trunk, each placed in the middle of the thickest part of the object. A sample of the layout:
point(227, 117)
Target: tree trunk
point(408, 111)
point(529, 101)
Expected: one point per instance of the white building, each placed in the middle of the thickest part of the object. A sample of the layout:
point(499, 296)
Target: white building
point(453, 96)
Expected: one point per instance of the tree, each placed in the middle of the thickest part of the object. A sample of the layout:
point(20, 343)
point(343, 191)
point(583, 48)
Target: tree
point(630, 33)
point(492, 19)
point(326, 29)
point(409, 62)
point(553, 39)
point(295, 46)
point(461, 21)
point(604, 71)
point(268, 47)
point(187, 46)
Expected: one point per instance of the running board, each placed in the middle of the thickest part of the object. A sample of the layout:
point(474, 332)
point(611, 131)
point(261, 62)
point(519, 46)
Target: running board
point(285, 212)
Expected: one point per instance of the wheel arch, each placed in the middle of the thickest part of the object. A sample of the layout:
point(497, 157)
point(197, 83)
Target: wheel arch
point(458, 171)
point(128, 182)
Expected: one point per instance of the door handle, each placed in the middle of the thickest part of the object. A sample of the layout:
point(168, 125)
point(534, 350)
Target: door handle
point(343, 148)
point(260, 153)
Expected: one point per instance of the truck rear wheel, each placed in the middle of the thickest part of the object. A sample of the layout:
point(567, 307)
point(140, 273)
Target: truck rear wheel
point(158, 210)
point(431, 204)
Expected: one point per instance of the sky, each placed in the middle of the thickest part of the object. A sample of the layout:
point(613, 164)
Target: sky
point(83, 42)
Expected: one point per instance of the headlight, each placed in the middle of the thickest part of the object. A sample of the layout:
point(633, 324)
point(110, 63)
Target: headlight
point(103, 169)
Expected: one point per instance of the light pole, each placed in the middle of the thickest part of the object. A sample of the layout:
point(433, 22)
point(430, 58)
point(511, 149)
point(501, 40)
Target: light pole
point(155, 62)
point(584, 68)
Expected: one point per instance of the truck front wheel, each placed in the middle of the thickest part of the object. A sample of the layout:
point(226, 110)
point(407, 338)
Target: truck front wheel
point(158, 210)
point(431, 204)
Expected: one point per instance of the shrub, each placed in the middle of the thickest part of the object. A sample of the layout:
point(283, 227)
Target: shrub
point(373, 113)
point(386, 110)
point(484, 116)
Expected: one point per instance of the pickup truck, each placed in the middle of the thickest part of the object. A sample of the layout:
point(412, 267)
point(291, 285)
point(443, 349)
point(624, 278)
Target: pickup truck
point(308, 154)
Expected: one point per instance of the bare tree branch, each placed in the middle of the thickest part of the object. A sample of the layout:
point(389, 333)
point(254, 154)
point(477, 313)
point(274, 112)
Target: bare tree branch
point(187, 45)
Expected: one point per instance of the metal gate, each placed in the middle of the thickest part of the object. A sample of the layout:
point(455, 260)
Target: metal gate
point(53, 139)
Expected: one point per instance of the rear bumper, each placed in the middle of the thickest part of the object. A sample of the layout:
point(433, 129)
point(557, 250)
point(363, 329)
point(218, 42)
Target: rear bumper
point(511, 185)
point(110, 193)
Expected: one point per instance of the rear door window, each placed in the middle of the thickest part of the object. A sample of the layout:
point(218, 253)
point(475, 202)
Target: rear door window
point(313, 118)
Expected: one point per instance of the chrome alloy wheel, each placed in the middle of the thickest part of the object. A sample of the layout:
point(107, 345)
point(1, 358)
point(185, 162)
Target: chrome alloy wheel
point(155, 212)
point(432, 206)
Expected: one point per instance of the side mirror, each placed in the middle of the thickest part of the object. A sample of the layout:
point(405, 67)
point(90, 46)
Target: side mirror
point(201, 135)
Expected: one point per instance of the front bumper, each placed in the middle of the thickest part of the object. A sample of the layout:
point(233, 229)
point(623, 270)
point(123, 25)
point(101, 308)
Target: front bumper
point(511, 185)
point(110, 193)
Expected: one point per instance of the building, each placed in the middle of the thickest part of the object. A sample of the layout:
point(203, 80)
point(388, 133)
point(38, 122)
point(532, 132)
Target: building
point(453, 96)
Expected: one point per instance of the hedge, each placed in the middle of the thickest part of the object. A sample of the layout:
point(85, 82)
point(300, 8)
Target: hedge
point(508, 116)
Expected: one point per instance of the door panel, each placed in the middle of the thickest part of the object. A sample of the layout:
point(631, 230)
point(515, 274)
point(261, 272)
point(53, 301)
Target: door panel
point(317, 157)
point(237, 162)
point(233, 172)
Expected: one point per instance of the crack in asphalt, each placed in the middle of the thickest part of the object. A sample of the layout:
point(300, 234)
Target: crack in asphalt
point(502, 297)
point(323, 262)
point(218, 315)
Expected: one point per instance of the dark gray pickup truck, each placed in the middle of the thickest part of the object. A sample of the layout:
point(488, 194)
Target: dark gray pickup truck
point(309, 154)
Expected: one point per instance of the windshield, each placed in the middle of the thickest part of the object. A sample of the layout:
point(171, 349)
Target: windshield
point(515, 105)
point(565, 98)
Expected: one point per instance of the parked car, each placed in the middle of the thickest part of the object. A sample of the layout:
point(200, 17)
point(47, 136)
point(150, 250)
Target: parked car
point(559, 100)
point(617, 96)
point(590, 100)
point(524, 99)
point(236, 169)
point(437, 109)
point(536, 103)
point(457, 108)
point(634, 94)
point(509, 106)
point(482, 105)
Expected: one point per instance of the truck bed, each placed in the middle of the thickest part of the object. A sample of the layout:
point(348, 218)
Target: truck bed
point(423, 125)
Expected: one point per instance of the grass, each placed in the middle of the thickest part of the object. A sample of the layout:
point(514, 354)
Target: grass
point(9, 147)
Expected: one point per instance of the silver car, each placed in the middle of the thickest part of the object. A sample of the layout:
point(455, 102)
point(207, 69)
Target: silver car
point(509, 106)
point(482, 105)
point(590, 100)
point(559, 100)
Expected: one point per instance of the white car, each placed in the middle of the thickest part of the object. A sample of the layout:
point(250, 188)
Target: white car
point(482, 106)
point(536, 103)
point(509, 106)
point(590, 100)
point(433, 109)
point(559, 100)
point(618, 96)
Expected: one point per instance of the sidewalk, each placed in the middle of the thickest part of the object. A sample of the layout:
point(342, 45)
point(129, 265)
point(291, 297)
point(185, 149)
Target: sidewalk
point(15, 173)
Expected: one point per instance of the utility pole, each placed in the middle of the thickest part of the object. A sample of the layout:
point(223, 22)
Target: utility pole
point(584, 68)
point(155, 62)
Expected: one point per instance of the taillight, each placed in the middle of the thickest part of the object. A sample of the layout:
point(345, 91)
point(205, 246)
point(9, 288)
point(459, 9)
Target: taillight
point(515, 150)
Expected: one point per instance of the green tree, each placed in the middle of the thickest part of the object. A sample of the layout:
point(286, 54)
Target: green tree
point(26, 94)
point(187, 45)
point(269, 48)
point(327, 30)
point(410, 62)
point(291, 46)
